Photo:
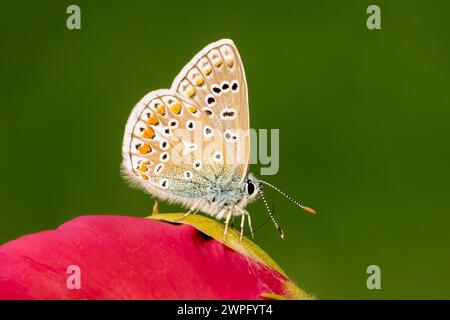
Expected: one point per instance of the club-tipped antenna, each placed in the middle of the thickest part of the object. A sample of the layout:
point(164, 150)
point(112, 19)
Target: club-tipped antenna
point(307, 209)
point(270, 212)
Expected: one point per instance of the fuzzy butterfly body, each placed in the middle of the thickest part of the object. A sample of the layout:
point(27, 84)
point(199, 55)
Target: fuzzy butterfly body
point(190, 144)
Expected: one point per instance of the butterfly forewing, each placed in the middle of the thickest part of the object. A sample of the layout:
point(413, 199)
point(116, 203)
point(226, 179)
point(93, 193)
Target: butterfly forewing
point(215, 80)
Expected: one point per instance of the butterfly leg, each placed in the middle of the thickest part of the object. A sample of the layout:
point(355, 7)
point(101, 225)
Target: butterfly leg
point(249, 223)
point(242, 226)
point(192, 210)
point(227, 221)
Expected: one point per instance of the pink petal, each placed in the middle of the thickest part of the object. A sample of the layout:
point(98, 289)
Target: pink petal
point(130, 258)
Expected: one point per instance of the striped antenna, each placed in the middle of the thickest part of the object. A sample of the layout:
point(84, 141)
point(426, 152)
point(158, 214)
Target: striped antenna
point(307, 209)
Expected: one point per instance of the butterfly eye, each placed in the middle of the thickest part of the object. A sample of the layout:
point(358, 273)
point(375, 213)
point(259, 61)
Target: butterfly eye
point(250, 187)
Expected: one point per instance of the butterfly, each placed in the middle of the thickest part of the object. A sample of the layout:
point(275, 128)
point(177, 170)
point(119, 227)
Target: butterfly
point(190, 144)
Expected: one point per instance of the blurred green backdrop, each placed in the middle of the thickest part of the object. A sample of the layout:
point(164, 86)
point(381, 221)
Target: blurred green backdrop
point(363, 117)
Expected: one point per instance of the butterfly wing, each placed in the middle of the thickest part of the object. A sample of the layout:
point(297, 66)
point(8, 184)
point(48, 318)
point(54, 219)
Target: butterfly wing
point(177, 145)
point(215, 80)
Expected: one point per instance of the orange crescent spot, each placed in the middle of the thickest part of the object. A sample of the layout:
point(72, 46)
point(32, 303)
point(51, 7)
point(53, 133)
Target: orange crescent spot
point(149, 133)
point(176, 108)
point(192, 109)
point(153, 120)
point(200, 81)
point(191, 93)
point(161, 110)
point(145, 148)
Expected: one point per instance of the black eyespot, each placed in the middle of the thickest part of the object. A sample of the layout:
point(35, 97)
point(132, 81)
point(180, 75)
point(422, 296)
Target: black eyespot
point(225, 86)
point(211, 100)
point(164, 144)
point(138, 146)
point(190, 125)
point(234, 86)
point(208, 112)
point(167, 131)
point(208, 131)
point(216, 90)
point(250, 188)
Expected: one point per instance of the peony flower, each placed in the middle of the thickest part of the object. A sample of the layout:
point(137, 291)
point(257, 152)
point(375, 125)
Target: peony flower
point(120, 257)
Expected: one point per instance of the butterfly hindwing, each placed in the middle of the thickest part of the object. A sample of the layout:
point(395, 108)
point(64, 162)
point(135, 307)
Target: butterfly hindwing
point(156, 147)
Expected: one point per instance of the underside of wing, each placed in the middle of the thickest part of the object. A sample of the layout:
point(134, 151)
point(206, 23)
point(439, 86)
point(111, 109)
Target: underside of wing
point(170, 148)
point(215, 80)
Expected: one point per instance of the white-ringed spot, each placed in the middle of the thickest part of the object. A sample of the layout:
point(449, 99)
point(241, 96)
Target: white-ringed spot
point(208, 131)
point(216, 89)
point(197, 164)
point(228, 114)
point(234, 85)
point(164, 183)
point(190, 124)
point(218, 157)
point(208, 112)
point(164, 157)
point(225, 86)
point(158, 168)
point(166, 131)
point(210, 100)
point(164, 144)
point(173, 123)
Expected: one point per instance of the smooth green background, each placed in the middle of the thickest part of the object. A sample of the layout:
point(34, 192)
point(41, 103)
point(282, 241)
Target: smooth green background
point(363, 117)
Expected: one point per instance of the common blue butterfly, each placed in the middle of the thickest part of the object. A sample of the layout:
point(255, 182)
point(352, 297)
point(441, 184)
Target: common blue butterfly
point(190, 144)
